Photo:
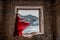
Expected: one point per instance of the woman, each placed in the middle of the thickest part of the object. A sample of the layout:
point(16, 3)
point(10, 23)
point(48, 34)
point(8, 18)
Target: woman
point(21, 25)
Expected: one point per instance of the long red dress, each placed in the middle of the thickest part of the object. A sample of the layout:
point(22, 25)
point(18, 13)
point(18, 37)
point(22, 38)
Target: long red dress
point(21, 25)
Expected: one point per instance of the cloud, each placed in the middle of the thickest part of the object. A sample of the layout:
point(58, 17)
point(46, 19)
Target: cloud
point(27, 12)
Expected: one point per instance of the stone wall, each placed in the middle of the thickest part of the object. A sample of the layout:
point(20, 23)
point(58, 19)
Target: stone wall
point(57, 19)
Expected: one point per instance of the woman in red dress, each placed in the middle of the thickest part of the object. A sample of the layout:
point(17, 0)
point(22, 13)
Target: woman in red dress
point(21, 25)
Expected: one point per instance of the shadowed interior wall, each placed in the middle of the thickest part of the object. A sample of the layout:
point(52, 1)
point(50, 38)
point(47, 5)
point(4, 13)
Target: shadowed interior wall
point(57, 19)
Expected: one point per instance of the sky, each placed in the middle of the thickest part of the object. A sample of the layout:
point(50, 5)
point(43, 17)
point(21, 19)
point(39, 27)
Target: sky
point(27, 12)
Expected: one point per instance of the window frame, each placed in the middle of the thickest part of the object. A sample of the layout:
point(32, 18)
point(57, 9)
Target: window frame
point(41, 16)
